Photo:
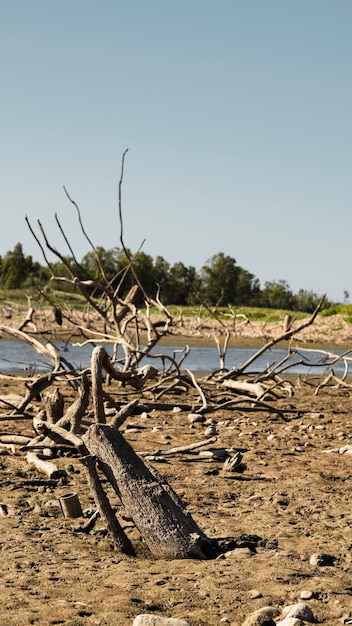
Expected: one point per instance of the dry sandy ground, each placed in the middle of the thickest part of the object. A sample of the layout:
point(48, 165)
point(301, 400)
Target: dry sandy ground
point(293, 495)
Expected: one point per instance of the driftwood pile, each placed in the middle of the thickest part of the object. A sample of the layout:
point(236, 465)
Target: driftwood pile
point(157, 512)
point(85, 428)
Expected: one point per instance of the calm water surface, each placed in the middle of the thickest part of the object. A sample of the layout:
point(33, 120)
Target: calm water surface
point(18, 356)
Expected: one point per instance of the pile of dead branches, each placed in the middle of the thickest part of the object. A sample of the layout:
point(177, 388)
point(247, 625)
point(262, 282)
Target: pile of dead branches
point(93, 433)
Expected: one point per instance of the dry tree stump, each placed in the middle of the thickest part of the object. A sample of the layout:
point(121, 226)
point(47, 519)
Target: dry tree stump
point(157, 512)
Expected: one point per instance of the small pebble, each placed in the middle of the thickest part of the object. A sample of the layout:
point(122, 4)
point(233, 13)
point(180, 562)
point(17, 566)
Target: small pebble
point(195, 418)
point(306, 594)
point(211, 430)
point(239, 553)
point(156, 620)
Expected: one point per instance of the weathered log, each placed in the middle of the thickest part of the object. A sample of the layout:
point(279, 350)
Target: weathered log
point(123, 414)
point(76, 411)
point(21, 440)
point(58, 435)
point(53, 405)
point(155, 509)
point(252, 389)
point(44, 466)
point(116, 531)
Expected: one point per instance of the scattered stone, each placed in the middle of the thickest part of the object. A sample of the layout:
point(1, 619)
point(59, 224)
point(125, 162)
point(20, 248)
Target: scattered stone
point(262, 617)
point(301, 611)
point(110, 412)
point(145, 415)
point(157, 620)
point(259, 620)
point(239, 553)
point(306, 594)
point(254, 594)
point(322, 560)
point(214, 453)
point(196, 418)
point(290, 621)
point(211, 430)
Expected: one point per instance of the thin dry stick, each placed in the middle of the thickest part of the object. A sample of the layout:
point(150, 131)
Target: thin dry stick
point(200, 390)
point(180, 449)
point(284, 337)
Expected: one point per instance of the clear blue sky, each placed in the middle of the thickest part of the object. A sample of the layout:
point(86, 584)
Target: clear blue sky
point(236, 114)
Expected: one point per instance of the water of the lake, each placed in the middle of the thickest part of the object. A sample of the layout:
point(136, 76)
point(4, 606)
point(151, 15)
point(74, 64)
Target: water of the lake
point(16, 356)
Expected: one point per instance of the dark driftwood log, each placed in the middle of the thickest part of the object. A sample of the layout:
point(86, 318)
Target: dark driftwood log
point(116, 532)
point(156, 510)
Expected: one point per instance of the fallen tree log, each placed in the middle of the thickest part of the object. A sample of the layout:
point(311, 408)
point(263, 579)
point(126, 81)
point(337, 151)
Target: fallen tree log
point(44, 466)
point(154, 507)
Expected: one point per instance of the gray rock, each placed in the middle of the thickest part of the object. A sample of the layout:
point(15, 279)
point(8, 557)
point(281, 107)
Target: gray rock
point(157, 620)
point(306, 594)
point(262, 617)
point(300, 611)
point(259, 620)
point(239, 553)
point(196, 417)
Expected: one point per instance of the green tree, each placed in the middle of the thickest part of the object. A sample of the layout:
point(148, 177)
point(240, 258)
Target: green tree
point(227, 283)
point(184, 284)
point(16, 269)
point(219, 279)
point(247, 288)
point(277, 295)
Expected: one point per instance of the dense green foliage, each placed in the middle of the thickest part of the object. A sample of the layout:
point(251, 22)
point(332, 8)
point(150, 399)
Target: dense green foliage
point(220, 282)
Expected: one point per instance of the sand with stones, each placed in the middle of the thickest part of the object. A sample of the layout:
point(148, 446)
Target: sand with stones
point(292, 500)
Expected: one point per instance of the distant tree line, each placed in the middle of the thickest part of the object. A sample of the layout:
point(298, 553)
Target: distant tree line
point(220, 282)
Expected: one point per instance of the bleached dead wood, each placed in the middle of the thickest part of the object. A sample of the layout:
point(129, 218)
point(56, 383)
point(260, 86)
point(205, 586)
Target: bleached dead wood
point(179, 449)
point(258, 390)
point(20, 440)
point(48, 350)
point(53, 403)
point(285, 336)
point(28, 320)
point(44, 466)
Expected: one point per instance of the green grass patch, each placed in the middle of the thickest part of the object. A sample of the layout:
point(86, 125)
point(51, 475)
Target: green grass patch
point(253, 314)
point(339, 309)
